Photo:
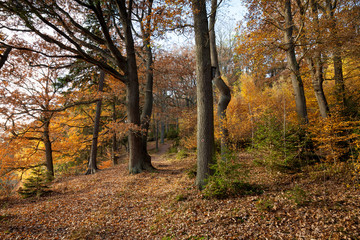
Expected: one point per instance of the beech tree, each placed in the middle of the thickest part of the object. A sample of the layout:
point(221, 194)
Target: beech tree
point(225, 95)
point(204, 91)
point(64, 28)
point(92, 166)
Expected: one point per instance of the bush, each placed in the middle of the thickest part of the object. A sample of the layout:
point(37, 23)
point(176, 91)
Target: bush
point(283, 151)
point(229, 179)
point(36, 184)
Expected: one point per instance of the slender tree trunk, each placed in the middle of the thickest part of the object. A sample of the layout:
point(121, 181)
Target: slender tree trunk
point(157, 135)
point(225, 95)
point(205, 115)
point(162, 132)
point(337, 59)
point(115, 146)
point(148, 105)
point(317, 81)
point(294, 66)
point(316, 67)
point(48, 149)
point(92, 166)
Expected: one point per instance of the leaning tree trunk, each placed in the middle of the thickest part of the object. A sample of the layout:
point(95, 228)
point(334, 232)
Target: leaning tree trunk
point(294, 66)
point(204, 91)
point(225, 95)
point(92, 166)
point(48, 149)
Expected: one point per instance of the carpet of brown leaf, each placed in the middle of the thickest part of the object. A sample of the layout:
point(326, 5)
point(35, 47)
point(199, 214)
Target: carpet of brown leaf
point(164, 204)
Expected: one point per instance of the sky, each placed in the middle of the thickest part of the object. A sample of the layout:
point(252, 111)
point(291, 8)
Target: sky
point(230, 13)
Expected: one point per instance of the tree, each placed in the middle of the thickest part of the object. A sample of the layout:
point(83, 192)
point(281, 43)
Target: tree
point(225, 95)
point(92, 166)
point(31, 104)
point(205, 116)
point(68, 31)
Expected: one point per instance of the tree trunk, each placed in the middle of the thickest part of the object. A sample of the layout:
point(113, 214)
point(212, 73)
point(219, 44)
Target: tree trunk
point(4, 56)
point(162, 132)
point(294, 66)
point(337, 59)
point(48, 149)
point(317, 81)
point(316, 68)
point(157, 135)
point(136, 156)
point(205, 115)
point(225, 95)
point(92, 166)
point(115, 147)
point(148, 105)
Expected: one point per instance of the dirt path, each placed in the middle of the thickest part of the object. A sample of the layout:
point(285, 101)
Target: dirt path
point(163, 148)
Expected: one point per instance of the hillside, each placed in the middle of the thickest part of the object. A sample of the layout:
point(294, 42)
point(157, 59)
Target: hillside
point(164, 205)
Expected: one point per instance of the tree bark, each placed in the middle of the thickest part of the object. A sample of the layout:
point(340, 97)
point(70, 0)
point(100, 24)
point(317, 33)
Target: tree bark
point(337, 59)
point(162, 132)
point(48, 149)
point(4, 56)
point(136, 154)
point(294, 65)
point(92, 166)
point(148, 105)
point(115, 146)
point(205, 115)
point(316, 68)
point(225, 95)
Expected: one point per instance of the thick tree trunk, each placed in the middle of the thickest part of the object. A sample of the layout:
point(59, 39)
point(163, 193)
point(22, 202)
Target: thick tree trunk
point(225, 95)
point(48, 149)
point(92, 166)
point(136, 156)
point(205, 115)
point(294, 66)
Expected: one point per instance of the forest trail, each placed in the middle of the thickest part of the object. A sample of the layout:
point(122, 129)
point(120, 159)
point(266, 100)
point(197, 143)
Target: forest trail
point(164, 204)
point(163, 148)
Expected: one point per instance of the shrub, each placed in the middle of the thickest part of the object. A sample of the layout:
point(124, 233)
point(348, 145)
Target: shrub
point(229, 179)
point(36, 184)
point(281, 150)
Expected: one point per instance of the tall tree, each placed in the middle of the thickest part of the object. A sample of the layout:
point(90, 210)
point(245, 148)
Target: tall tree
point(92, 166)
point(66, 31)
point(225, 95)
point(204, 91)
point(293, 64)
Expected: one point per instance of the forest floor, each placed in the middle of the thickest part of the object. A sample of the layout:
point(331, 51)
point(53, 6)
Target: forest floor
point(164, 204)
